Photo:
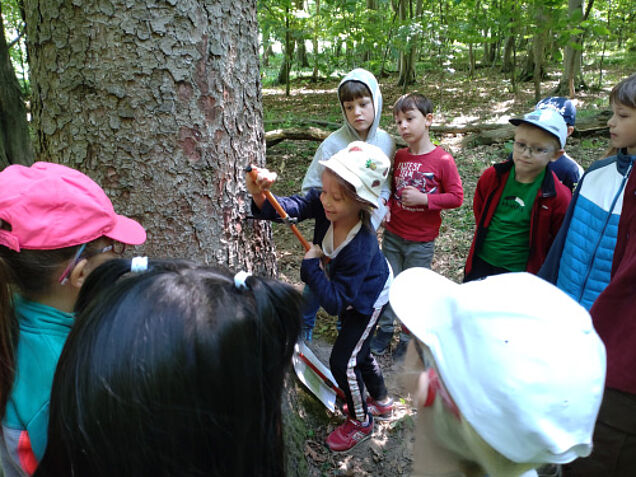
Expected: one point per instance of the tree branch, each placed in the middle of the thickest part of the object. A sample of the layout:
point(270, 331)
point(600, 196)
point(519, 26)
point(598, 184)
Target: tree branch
point(17, 39)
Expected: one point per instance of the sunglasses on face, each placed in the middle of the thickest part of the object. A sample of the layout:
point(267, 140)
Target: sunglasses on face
point(117, 248)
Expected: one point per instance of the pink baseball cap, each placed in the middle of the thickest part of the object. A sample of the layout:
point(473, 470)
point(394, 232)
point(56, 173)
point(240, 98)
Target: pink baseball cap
point(50, 206)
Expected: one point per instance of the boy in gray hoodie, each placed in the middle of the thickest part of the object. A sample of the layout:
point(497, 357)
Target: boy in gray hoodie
point(361, 102)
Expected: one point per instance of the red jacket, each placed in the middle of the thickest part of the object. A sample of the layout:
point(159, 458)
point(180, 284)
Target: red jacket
point(614, 311)
point(546, 216)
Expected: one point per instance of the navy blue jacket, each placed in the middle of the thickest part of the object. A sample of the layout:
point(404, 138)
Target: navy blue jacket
point(355, 277)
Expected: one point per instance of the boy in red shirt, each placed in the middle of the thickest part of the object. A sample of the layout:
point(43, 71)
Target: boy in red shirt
point(425, 181)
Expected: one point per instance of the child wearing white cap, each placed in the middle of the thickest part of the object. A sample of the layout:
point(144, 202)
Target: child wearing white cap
point(517, 373)
point(519, 205)
point(348, 274)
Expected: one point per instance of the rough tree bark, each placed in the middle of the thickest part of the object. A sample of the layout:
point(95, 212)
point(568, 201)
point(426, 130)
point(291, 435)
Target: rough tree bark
point(161, 104)
point(15, 142)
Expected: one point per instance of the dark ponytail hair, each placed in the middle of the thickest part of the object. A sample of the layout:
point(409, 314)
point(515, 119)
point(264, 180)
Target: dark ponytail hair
point(28, 272)
point(172, 371)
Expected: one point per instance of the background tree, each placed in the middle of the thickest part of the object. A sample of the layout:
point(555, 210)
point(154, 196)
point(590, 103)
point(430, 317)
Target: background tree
point(538, 46)
point(314, 41)
point(15, 141)
point(572, 78)
point(411, 20)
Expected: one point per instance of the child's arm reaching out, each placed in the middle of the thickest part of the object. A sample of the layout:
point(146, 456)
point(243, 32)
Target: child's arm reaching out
point(258, 182)
point(257, 187)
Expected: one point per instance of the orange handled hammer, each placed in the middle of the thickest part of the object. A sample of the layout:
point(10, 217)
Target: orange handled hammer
point(283, 215)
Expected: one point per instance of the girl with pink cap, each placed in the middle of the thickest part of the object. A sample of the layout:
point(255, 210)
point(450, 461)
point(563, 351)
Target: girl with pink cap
point(56, 226)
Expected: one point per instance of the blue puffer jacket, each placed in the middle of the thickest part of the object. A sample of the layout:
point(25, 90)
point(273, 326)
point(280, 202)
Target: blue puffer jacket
point(580, 260)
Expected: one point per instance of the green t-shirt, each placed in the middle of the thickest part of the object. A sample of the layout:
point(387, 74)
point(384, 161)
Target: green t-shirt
point(507, 241)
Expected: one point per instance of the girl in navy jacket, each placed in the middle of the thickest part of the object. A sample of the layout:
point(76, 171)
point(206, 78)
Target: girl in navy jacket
point(348, 273)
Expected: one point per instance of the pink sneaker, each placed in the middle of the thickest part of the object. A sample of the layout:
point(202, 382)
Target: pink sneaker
point(381, 412)
point(349, 435)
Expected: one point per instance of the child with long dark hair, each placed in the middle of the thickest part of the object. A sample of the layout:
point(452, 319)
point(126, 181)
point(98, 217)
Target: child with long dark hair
point(173, 369)
point(56, 226)
point(354, 284)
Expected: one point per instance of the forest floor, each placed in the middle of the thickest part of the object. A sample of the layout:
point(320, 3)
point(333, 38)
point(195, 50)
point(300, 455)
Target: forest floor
point(460, 102)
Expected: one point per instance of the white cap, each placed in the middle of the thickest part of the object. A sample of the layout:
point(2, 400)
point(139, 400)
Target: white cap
point(550, 120)
point(362, 165)
point(519, 357)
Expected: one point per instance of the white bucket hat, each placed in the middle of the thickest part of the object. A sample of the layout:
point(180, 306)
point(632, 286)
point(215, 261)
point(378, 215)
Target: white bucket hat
point(362, 165)
point(518, 356)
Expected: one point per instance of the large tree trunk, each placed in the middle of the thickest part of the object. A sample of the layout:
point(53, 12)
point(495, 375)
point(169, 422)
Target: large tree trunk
point(161, 104)
point(15, 142)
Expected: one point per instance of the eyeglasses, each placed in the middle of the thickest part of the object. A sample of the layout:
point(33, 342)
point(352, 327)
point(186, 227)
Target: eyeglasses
point(435, 386)
point(538, 152)
point(117, 248)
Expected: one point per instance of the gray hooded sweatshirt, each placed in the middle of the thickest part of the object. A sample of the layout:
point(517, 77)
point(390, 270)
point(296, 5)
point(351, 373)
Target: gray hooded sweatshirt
point(341, 138)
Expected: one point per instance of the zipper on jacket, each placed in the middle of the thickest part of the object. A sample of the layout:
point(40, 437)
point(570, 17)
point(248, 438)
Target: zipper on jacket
point(600, 237)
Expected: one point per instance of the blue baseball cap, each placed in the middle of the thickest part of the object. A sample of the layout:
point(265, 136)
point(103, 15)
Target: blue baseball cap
point(564, 106)
point(547, 119)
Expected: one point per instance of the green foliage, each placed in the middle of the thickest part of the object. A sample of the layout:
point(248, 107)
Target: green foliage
point(448, 35)
point(350, 34)
point(593, 144)
point(14, 31)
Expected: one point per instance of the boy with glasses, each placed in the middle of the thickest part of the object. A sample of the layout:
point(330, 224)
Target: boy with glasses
point(519, 204)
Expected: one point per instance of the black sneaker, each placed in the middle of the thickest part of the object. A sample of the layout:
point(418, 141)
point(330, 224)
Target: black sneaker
point(380, 342)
